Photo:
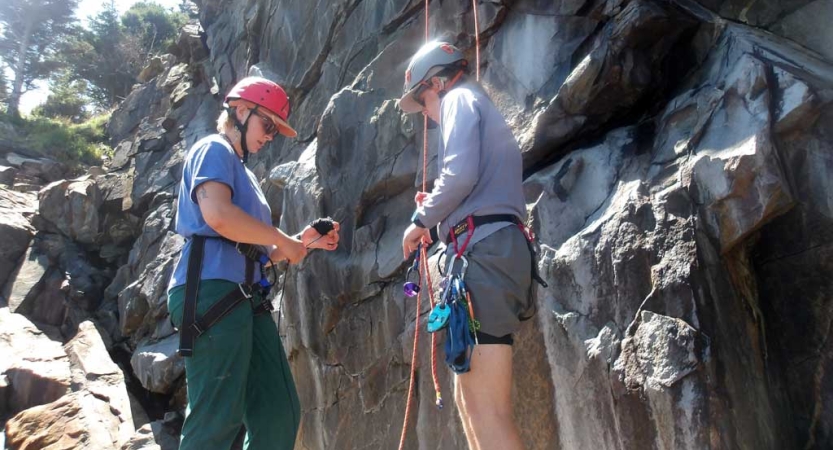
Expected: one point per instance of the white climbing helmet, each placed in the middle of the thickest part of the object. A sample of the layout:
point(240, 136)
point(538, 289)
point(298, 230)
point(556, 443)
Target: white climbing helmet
point(427, 62)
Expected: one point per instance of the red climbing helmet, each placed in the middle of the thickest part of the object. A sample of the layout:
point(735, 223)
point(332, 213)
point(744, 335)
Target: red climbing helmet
point(265, 96)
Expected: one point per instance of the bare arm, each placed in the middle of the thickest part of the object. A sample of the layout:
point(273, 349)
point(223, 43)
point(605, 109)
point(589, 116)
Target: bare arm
point(231, 222)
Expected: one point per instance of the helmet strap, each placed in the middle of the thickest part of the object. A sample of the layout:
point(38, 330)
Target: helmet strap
point(242, 128)
point(447, 86)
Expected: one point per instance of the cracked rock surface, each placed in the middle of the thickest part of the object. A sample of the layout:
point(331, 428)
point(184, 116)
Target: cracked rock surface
point(678, 173)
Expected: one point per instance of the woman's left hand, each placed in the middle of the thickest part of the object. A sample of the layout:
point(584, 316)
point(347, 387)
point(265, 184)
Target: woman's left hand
point(312, 239)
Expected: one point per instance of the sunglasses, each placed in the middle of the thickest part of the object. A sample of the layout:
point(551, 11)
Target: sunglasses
point(269, 126)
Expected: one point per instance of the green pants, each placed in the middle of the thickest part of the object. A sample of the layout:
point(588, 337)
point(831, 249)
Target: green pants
point(238, 375)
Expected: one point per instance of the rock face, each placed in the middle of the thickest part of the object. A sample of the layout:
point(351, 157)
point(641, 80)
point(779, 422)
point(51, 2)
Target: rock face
point(79, 421)
point(678, 174)
point(15, 229)
point(37, 368)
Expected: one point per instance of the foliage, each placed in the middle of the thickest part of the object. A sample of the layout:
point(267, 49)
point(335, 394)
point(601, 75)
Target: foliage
point(67, 99)
point(32, 32)
point(100, 56)
point(112, 52)
point(190, 9)
point(61, 140)
point(154, 25)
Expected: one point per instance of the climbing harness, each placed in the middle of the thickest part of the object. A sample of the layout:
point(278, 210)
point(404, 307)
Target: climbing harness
point(193, 326)
point(474, 221)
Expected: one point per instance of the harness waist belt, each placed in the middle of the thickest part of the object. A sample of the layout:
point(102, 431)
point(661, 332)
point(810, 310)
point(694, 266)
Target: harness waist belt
point(463, 226)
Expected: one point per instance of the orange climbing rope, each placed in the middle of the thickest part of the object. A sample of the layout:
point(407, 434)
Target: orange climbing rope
point(425, 265)
point(424, 271)
point(476, 38)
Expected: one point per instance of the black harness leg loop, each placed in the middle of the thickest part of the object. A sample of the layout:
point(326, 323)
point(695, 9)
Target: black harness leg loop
point(192, 289)
point(221, 309)
point(194, 326)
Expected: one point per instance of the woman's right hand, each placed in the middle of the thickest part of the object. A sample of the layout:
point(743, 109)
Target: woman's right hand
point(294, 250)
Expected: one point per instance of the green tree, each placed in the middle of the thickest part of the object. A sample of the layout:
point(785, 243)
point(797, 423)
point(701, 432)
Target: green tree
point(154, 25)
point(114, 49)
point(190, 9)
point(67, 98)
point(105, 57)
point(32, 31)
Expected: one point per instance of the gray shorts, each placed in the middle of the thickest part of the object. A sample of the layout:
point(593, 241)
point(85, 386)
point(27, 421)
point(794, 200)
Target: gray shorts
point(499, 278)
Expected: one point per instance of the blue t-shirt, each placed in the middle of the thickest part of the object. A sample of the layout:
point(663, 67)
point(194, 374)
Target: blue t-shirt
point(213, 159)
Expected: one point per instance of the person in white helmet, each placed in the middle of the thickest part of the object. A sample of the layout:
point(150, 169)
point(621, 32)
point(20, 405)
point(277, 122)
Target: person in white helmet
point(478, 206)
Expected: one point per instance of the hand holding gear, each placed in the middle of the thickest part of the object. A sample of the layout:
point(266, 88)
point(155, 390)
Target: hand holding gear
point(321, 233)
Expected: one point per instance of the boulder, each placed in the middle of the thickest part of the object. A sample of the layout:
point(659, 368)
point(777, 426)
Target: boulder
point(44, 169)
point(15, 230)
point(736, 168)
point(158, 365)
point(662, 351)
point(36, 368)
point(7, 175)
point(157, 435)
point(38, 289)
point(93, 371)
point(78, 421)
point(72, 206)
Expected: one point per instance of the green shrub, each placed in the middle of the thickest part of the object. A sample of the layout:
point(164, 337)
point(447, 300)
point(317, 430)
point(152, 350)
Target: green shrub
point(94, 129)
point(71, 144)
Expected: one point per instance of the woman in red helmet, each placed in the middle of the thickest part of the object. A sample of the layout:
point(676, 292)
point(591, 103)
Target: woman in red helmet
point(235, 366)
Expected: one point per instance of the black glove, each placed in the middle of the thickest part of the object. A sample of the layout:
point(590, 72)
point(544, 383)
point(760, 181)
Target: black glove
point(323, 225)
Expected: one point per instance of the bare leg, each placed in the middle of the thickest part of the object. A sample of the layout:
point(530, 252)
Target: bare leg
point(485, 399)
point(460, 402)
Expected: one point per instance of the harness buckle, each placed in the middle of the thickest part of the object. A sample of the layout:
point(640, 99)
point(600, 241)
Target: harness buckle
point(248, 295)
point(198, 330)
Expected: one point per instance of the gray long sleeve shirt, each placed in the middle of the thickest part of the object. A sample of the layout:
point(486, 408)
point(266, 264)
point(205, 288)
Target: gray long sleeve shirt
point(480, 165)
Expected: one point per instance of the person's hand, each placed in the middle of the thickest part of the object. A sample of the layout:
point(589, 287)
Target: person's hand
point(275, 255)
point(294, 250)
point(312, 239)
point(420, 197)
point(412, 237)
